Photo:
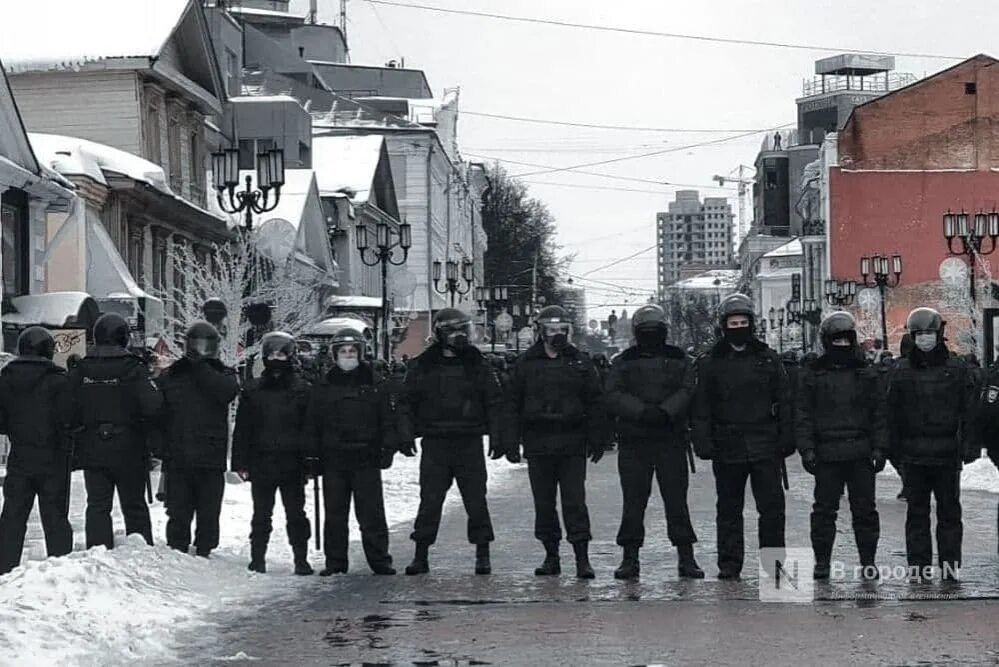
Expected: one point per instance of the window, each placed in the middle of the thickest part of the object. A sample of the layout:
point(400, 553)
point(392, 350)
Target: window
point(248, 149)
point(971, 88)
point(198, 176)
point(173, 146)
point(159, 263)
point(136, 250)
point(231, 73)
point(15, 243)
point(152, 130)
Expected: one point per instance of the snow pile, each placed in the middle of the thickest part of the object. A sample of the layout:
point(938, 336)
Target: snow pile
point(100, 607)
point(978, 476)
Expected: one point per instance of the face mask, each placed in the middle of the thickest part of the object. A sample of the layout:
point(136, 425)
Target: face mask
point(926, 342)
point(202, 348)
point(558, 341)
point(739, 337)
point(277, 365)
point(841, 353)
point(650, 338)
point(347, 365)
point(457, 341)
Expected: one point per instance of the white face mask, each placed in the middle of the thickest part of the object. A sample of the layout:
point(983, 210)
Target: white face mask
point(347, 365)
point(926, 342)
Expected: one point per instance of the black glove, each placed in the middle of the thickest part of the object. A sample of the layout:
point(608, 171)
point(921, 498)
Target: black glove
point(408, 448)
point(972, 455)
point(386, 461)
point(313, 467)
point(513, 454)
point(809, 462)
point(878, 460)
point(653, 415)
point(495, 451)
point(596, 452)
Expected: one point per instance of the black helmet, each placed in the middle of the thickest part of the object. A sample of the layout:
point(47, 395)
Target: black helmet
point(202, 341)
point(453, 329)
point(838, 325)
point(36, 342)
point(650, 316)
point(346, 338)
point(278, 341)
point(906, 345)
point(735, 304)
point(924, 319)
point(111, 329)
point(554, 326)
point(553, 315)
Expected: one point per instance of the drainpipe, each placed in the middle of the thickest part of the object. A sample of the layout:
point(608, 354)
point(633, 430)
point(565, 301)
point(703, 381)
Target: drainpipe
point(430, 239)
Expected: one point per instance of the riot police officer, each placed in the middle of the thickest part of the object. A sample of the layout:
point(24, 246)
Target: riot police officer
point(356, 424)
point(649, 389)
point(742, 423)
point(269, 448)
point(455, 397)
point(556, 411)
point(114, 404)
point(197, 390)
point(35, 412)
point(988, 428)
point(931, 403)
point(842, 435)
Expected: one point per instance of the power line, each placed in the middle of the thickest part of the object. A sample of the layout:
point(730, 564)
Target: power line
point(623, 259)
point(653, 33)
point(596, 187)
point(597, 126)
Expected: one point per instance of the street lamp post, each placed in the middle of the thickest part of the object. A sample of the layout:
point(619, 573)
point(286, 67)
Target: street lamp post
point(383, 254)
point(270, 177)
point(841, 294)
point(881, 272)
point(777, 322)
point(486, 296)
point(972, 239)
point(452, 279)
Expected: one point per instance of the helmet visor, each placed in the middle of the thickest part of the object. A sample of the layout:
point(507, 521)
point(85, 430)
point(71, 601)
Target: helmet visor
point(203, 347)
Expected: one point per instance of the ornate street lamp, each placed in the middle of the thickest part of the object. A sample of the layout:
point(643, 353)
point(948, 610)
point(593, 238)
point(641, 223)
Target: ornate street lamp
point(270, 177)
point(383, 254)
point(882, 272)
point(972, 239)
point(841, 294)
point(452, 278)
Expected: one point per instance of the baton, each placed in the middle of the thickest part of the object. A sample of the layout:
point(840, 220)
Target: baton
point(783, 475)
point(690, 459)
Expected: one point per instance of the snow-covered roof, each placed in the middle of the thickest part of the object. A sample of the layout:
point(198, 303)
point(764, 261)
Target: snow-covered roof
point(710, 280)
point(267, 13)
point(260, 99)
point(51, 309)
point(341, 301)
point(347, 163)
point(67, 34)
point(789, 249)
point(778, 274)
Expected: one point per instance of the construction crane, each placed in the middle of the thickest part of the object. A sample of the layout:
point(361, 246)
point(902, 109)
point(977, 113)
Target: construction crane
point(741, 179)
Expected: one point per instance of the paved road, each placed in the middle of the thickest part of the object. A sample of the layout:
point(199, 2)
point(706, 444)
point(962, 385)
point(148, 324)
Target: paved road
point(451, 617)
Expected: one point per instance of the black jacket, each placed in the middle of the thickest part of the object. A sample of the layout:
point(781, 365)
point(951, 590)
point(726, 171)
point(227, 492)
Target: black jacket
point(454, 397)
point(556, 406)
point(114, 404)
point(841, 410)
point(932, 401)
point(742, 405)
point(988, 412)
point(195, 417)
point(35, 413)
point(638, 380)
point(354, 419)
point(270, 438)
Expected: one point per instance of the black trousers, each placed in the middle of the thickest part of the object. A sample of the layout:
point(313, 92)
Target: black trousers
point(730, 484)
point(444, 461)
point(194, 494)
point(19, 492)
point(292, 490)
point(130, 482)
point(551, 476)
point(636, 464)
point(830, 479)
point(944, 483)
point(365, 487)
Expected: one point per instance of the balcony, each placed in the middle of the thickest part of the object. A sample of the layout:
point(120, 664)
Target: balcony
point(821, 85)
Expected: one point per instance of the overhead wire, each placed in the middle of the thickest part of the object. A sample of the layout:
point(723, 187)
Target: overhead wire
point(659, 34)
point(623, 259)
point(599, 126)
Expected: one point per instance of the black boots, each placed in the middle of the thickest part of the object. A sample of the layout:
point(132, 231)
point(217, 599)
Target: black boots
point(257, 554)
point(821, 570)
point(383, 569)
point(421, 563)
point(583, 568)
point(482, 562)
point(302, 566)
point(332, 569)
point(687, 567)
point(551, 566)
point(630, 567)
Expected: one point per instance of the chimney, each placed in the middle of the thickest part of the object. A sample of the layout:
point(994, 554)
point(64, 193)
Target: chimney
point(313, 11)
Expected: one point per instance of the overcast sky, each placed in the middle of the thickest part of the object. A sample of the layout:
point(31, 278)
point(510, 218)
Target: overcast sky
point(593, 77)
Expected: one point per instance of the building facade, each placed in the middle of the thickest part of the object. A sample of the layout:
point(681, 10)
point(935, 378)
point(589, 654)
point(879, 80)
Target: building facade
point(693, 237)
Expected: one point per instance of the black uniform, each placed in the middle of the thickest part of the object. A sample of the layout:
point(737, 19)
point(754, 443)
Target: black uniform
point(195, 422)
point(114, 404)
point(742, 423)
point(988, 416)
point(454, 401)
point(556, 412)
point(649, 393)
point(35, 411)
point(270, 442)
point(355, 425)
point(931, 403)
point(841, 420)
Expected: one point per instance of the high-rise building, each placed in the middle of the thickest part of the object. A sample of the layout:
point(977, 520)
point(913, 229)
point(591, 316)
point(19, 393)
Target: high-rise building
point(693, 237)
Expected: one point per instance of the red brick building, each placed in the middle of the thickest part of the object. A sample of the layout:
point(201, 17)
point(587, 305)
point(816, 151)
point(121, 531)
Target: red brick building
point(905, 159)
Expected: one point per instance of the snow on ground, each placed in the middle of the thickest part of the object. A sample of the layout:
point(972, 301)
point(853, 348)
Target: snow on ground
point(101, 607)
point(978, 476)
